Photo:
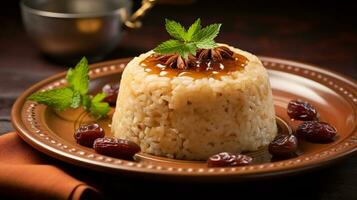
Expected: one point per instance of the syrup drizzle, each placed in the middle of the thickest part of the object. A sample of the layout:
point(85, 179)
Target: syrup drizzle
point(200, 68)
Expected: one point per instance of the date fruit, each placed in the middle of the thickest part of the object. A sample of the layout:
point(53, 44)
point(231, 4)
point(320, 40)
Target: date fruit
point(86, 134)
point(226, 159)
point(111, 92)
point(114, 147)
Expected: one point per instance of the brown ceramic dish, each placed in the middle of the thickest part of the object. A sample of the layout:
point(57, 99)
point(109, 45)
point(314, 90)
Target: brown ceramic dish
point(333, 95)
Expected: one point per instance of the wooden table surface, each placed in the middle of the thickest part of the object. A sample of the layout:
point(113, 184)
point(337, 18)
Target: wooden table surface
point(297, 31)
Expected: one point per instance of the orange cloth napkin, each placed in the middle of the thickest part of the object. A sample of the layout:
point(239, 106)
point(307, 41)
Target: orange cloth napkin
point(26, 173)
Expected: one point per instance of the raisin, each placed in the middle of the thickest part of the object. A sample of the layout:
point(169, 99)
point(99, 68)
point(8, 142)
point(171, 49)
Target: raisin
point(314, 131)
point(283, 146)
point(301, 110)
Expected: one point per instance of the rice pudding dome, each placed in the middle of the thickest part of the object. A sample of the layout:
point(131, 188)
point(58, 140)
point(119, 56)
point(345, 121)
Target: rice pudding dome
point(219, 100)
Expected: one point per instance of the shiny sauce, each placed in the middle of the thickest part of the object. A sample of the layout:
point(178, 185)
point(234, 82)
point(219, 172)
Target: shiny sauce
point(200, 69)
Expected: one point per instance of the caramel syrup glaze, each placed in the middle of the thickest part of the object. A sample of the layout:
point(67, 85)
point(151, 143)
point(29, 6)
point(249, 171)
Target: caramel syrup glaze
point(200, 69)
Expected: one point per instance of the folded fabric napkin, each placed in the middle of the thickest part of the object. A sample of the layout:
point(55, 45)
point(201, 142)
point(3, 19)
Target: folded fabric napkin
point(28, 174)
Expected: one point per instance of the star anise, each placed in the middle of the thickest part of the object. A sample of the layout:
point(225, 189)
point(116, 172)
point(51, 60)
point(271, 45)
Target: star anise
point(216, 54)
point(176, 61)
point(172, 61)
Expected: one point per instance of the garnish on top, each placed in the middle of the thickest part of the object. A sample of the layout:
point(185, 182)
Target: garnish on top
point(75, 94)
point(189, 46)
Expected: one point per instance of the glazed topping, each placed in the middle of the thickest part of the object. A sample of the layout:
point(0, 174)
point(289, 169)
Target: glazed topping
point(115, 147)
point(301, 110)
point(283, 146)
point(86, 134)
point(175, 61)
point(314, 131)
point(207, 63)
point(226, 159)
point(193, 52)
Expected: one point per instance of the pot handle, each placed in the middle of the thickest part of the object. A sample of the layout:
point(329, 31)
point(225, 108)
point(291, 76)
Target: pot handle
point(133, 22)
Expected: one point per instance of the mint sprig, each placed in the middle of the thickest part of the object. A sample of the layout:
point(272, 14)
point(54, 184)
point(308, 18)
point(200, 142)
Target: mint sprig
point(75, 94)
point(78, 78)
point(60, 99)
point(99, 108)
point(187, 42)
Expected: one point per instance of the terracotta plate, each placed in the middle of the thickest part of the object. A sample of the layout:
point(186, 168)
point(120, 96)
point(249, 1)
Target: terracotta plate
point(333, 95)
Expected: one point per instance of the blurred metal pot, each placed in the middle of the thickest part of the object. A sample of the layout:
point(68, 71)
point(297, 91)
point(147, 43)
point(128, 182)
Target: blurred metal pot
point(69, 29)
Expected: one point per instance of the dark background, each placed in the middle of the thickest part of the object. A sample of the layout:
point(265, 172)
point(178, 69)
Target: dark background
point(322, 33)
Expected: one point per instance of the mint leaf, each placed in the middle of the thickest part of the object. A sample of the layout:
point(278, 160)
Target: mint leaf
point(175, 46)
point(170, 46)
point(78, 78)
point(207, 33)
point(183, 53)
point(187, 49)
point(206, 44)
point(97, 108)
point(76, 99)
point(86, 101)
point(59, 99)
point(194, 28)
point(98, 97)
point(175, 29)
point(187, 42)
